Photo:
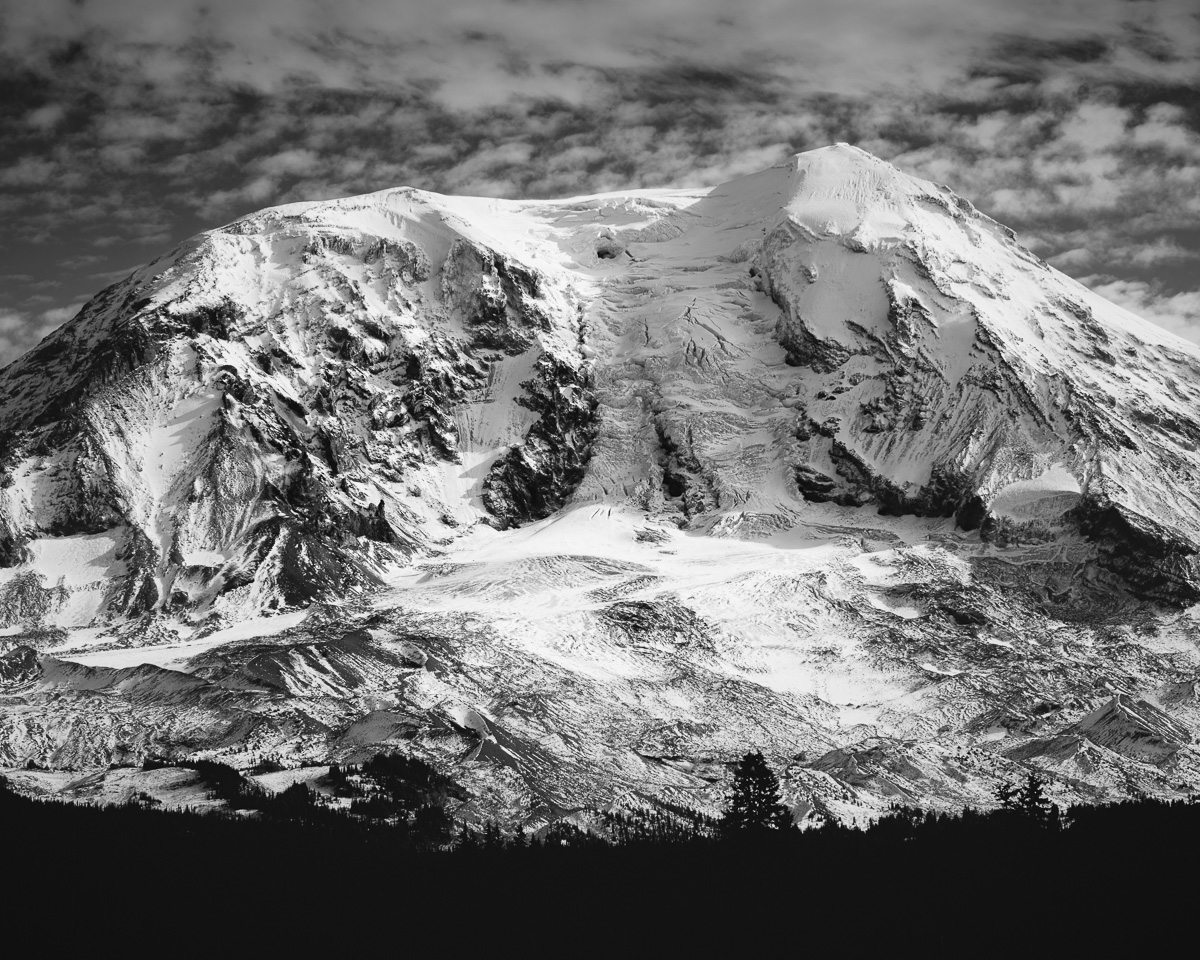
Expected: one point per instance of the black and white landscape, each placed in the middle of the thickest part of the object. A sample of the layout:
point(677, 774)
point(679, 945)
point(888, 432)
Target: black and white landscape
point(610, 426)
point(578, 500)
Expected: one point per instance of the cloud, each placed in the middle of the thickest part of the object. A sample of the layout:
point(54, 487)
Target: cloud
point(131, 124)
point(45, 118)
point(20, 331)
point(84, 260)
point(1179, 313)
point(27, 172)
point(1166, 127)
point(1151, 253)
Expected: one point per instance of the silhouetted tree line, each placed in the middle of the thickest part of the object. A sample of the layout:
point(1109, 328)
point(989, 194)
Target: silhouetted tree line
point(928, 876)
point(400, 790)
point(407, 800)
point(224, 783)
point(403, 793)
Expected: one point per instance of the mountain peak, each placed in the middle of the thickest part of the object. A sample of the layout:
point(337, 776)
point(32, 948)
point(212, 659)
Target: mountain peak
point(842, 189)
point(820, 454)
point(897, 305)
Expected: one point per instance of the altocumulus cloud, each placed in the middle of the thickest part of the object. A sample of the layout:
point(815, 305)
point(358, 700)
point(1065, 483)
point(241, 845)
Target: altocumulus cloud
point(128, 124)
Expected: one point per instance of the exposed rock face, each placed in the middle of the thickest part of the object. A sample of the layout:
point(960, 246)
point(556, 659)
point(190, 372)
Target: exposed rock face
point(537, 477)
point(19, 665)
point(1129, 728)
point(1152, 559)
point(586, 497)
point(1135, 728)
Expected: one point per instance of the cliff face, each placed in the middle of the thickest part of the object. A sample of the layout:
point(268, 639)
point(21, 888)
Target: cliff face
point(603, 490)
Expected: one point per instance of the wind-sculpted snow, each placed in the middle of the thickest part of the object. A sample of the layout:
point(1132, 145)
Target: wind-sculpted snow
point(584, 498)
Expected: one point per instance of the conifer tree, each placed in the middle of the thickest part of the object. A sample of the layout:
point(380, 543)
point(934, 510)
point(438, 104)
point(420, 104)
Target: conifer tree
point(1033, 802)
point(1006, 793)
point(754, 806)
point(492, 837)
point(468, 841)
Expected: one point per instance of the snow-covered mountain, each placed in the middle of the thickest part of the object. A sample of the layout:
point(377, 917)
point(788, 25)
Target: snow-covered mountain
point(583, 498)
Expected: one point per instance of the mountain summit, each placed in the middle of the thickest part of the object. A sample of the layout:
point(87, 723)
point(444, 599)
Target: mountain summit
point(609, 486)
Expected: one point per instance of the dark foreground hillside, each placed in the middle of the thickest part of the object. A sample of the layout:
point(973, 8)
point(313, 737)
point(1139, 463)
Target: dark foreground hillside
point(965, 885)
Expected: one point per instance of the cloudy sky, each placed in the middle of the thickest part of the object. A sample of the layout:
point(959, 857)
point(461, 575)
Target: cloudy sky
point(129, 125)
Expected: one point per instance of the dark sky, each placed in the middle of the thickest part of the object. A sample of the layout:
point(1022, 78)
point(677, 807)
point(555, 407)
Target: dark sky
point(128, 125)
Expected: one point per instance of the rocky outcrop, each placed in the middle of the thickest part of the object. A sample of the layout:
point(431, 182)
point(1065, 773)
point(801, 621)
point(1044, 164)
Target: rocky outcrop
point(536, 478)
point(1125, 726)
point(684, 478)
point(19, 666)
point(1136, 729)
point(25, 600)
point(499, 299)
point(1156, 563)
point(662, 623)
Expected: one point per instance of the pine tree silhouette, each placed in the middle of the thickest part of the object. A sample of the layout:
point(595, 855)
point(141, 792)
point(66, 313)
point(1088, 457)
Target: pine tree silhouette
point(1032, 801)
point(1006, 793)
point(754, 806)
